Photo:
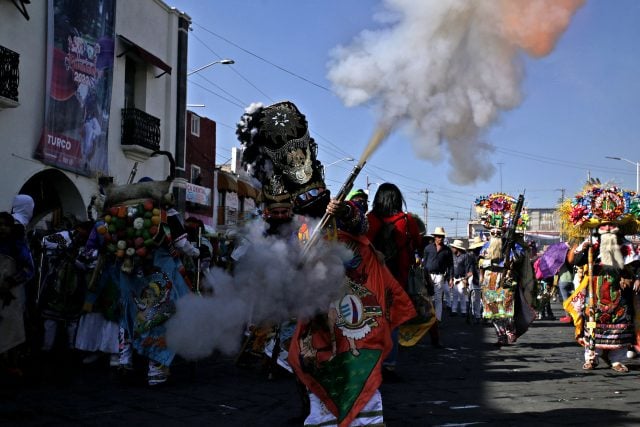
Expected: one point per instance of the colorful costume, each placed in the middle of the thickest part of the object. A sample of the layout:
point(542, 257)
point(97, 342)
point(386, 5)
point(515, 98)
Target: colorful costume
point(141, 243)
point(601, 305)
point(506, 276)
point(16, 268)
point(337, 354)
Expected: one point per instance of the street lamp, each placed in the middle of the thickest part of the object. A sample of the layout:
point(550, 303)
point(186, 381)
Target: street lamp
point(346, 159)
point(637, 169)
point(222, 61)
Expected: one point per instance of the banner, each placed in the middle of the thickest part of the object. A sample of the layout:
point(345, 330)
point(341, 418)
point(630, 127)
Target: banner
point(198, 194)
point(80, 54)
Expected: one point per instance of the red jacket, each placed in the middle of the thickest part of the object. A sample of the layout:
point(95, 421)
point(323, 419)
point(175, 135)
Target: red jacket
point(407, 237)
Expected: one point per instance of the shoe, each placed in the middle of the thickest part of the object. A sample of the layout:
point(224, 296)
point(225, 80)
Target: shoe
point(453, 314)
point(566, 319)
point(114, 360)
point(619, 367)
point(157, 374)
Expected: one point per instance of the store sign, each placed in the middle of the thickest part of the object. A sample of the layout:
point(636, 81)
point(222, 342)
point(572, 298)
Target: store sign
point(198, 194)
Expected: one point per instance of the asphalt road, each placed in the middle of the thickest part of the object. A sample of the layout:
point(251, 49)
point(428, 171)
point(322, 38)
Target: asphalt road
point(538, 381)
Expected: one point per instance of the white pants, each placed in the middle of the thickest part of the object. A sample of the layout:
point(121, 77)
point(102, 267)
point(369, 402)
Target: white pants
point(460, 296)
point(319, 415)
point(441, 288)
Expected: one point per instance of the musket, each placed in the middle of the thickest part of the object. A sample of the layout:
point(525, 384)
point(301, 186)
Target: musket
point(591, 322)
point(510, 238)
point(382, 131)
point(39, 278)
point(198, 263)
point(132, 175)
point(342, 194)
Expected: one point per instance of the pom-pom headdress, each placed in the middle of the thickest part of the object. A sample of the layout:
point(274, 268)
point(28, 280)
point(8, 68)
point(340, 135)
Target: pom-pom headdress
point(497, 210)
point(599, 204)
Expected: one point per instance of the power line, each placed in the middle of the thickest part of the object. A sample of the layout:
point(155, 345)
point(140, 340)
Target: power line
point(264, 59)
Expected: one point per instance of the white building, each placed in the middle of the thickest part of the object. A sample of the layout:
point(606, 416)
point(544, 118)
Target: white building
point(60, 128)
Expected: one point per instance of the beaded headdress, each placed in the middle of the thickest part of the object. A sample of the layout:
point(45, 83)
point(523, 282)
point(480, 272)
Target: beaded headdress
point(598, 204)
point(278, 151)
point(497, 211)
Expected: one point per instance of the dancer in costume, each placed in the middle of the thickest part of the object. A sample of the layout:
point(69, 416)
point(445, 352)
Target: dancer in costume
point(336, 354)
point(506, 272)
point(64, 283)
point(395, 235)
point(16, 268)
point(141, 241)
point(601, 305)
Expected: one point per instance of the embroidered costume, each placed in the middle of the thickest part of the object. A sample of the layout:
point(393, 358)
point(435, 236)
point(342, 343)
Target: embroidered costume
point(601, 305)
point(336, 354)
point(506, 292)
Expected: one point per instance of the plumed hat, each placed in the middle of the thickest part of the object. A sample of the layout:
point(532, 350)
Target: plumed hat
point(497, 211)
point(599, 204)
point(276, 142)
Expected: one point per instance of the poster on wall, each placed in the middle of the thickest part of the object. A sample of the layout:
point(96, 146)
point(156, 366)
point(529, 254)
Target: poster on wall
point(80, 54)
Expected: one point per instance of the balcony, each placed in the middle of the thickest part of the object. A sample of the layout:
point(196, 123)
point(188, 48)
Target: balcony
point(9, 78)
point(140, 134)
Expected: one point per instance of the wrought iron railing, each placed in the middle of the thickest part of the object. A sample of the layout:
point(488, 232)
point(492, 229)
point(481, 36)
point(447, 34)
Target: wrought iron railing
point(140, 128)
point(9, 73)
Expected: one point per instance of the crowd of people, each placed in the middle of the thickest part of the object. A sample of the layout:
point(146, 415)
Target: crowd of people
point(104, 288)
point(65, 292)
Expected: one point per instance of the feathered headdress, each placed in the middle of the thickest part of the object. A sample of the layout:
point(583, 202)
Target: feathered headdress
point(497, 210)
point(279, 152)
point(598, 204)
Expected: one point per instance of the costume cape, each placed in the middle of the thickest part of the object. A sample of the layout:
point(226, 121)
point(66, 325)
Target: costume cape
point(341, 364)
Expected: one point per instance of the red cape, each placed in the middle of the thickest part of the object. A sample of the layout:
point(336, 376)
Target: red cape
point(339, 356)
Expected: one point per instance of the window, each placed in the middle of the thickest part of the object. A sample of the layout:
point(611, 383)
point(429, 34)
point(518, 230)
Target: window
point(195, 174)
point(135, 83)
point(129, 83)
point(195, 125)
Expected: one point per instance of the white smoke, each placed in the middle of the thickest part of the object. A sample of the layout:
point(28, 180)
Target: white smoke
point(270, 283)
point(446, 68)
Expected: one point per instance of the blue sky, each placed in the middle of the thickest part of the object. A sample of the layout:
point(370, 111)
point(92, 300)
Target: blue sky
point(579, 103)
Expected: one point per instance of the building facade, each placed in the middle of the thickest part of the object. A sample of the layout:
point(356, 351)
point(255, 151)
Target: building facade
point(89, 88)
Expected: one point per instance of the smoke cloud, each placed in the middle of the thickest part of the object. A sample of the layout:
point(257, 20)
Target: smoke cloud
point(445, 69)
point(271, 282)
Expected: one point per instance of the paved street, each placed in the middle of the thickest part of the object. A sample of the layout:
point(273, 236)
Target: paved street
point(538, 381)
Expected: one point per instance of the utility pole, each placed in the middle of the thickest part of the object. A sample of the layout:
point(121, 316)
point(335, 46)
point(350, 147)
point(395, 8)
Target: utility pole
point(457, 218)
point(425, 205)
point(561, 190)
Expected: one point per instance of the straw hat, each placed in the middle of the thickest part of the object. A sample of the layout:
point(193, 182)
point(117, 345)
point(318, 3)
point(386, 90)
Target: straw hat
point(439, 231)
point(458, 244)
point(476, 243)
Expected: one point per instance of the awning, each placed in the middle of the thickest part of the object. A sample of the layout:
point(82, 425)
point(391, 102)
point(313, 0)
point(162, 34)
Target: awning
point(246, 190)
point(144, 54)
point(227, 182)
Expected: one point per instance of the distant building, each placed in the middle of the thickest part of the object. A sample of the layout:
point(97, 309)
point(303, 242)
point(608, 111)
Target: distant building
point(238, 198)
point(544, 226)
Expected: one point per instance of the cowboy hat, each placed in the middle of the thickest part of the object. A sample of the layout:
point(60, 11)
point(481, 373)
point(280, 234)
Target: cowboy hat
point(476, 243)
point(439, 231)
point(458, 244)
